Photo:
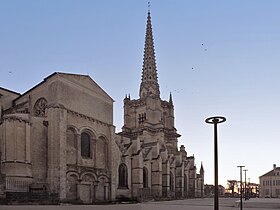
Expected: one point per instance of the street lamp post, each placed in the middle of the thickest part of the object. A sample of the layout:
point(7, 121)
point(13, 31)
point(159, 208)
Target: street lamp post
point(216, 120)
point(249, 188)
point(245, 184)
point(241, 193)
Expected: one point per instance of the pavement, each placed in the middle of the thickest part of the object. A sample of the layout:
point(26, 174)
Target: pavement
point(188, 204)
point(260, 203)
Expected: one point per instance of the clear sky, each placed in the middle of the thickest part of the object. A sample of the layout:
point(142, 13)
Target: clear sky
point(217, 57)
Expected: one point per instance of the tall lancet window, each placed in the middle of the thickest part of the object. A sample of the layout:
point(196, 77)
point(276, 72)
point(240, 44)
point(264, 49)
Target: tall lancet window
point(171, 182)
point(122, 176)
point(145, 178)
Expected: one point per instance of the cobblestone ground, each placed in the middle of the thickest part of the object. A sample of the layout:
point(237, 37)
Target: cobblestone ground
point(190, 204)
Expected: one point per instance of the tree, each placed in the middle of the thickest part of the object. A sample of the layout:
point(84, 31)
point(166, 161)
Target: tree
point(231, 186)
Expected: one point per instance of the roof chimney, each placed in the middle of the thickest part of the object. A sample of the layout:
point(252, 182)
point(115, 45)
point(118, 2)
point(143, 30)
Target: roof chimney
point(274, 169)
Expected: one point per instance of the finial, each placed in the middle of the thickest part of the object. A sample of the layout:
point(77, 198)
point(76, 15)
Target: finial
point(201, 168)
point(170, 99)
point(149, 6)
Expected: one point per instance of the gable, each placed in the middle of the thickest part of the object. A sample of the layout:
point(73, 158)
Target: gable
point(275, 172)
point(6, 98)
point(87, 82)
point(6, 92)
point(78, 93)
point(84, 81)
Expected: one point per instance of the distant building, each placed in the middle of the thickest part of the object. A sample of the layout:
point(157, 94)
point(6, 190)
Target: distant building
point(270, 183)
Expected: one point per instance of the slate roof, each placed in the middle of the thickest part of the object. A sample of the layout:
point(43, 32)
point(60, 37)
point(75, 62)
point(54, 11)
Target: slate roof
point(4, 89)
point(271, 173)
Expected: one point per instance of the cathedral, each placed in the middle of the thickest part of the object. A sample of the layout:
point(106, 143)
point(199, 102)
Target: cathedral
point(58, 142)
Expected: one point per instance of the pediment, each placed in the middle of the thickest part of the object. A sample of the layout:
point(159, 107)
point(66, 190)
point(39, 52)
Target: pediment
point(85, 81)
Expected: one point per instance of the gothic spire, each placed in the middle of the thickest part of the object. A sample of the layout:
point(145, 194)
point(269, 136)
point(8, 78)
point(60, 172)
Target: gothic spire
point(201, 171)
point(170, 99)
point(149, 82)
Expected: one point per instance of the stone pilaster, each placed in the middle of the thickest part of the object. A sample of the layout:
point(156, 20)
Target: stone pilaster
point(156, 178)
point(165, 178)
point(113, 164)
point(57, 150)
point(136, 174)
point(179, 183)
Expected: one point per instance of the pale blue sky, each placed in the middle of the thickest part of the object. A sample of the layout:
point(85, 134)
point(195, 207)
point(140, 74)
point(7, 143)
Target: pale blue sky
point(235, 73)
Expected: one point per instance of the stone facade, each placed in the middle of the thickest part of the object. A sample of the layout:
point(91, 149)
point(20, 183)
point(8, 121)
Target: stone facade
point(270, 183)
point(58, 138)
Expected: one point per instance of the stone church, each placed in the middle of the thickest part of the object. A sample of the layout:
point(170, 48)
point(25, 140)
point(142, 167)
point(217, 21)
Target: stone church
point(58, 142)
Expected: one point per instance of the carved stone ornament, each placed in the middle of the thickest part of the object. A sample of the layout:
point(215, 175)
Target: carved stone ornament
point(40, 107)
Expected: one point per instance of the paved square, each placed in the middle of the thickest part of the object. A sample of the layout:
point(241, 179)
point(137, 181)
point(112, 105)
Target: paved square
point(190, 204)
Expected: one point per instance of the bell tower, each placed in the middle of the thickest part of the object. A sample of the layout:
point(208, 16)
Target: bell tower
point(149, 139)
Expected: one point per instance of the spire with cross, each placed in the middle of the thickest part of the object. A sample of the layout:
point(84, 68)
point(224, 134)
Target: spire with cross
point(149, 84)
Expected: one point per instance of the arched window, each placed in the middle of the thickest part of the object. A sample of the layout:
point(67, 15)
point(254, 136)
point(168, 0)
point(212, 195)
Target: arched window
point(123, 176)
point(171, 182)
point(142, 117)
point(145, 177)
point(85, 145)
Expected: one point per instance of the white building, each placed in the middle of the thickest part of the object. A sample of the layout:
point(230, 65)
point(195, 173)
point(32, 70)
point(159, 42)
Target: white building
point(270, 183)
